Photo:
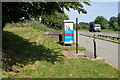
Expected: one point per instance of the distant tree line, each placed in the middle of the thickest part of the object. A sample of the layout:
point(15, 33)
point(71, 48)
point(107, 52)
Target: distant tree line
point(113, 23)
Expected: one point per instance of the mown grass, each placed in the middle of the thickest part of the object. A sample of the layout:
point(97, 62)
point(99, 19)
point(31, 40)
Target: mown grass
point(109, 31)
point(30, 54)
point(104, 38)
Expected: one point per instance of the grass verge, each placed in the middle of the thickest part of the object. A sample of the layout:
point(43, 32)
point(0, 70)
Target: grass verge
point(103, 30)
point(104, 38)
point(30, 54)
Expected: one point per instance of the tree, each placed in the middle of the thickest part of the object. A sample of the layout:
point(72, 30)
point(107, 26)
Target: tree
point(13, 11)
point(119, 19)
point(54, 20)
point(116, 26)
point(111, 21)
point(102, 21)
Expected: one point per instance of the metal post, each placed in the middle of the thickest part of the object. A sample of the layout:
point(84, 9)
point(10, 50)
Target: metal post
point(76, 35)
point(94, 47)
point(63, 26)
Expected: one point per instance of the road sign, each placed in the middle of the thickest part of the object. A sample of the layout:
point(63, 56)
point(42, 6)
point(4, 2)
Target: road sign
point(68, 31)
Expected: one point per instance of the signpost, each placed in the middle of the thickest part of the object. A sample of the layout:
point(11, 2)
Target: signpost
point(40, 19)
point(76, 35)
point(68, 32)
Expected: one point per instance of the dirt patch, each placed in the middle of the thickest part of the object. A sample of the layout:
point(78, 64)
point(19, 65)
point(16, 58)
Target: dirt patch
point(72, 54)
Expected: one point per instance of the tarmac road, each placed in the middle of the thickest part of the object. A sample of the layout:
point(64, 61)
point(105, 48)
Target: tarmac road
point(104, 49)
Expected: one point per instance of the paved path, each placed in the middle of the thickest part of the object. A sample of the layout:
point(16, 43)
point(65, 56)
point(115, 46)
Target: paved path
point(104, 49)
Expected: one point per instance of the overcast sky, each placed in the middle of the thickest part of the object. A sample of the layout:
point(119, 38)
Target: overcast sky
point(98, 8)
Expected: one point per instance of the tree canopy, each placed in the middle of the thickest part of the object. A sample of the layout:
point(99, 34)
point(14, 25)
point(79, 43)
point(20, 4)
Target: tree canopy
point(119, 19)
point(102, 21)
point(14, 11)
point(54, 20)
point(112, 20)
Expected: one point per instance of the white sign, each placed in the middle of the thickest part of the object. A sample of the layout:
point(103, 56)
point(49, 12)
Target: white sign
point(40, 19)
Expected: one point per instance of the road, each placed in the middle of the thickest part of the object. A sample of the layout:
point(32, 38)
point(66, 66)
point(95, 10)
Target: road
point(104, 49)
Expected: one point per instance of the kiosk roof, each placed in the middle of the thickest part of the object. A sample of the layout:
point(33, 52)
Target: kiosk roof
point(69, 21)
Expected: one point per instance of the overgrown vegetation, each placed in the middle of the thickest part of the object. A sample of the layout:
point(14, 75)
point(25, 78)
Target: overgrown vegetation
point(34, 24)
point(30, 54)
point(53, 21)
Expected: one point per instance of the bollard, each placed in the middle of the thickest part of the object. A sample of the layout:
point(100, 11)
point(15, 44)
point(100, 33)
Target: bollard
point(94, 47)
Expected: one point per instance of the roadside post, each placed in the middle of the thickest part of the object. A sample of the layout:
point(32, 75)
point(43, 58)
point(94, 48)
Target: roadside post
point(68, 32)
point(94, 47)
point(76, 35)
point(40, 22)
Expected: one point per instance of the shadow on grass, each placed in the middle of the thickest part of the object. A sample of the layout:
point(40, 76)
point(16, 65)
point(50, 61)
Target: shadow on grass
point(18, 51)
point(60, 43)
point(66, 45)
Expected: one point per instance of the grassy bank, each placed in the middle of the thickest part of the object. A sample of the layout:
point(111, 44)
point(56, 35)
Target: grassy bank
point(30, 54)
point(33, 24)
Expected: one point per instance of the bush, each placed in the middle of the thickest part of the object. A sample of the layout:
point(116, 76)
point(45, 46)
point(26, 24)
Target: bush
point(54, 20)
point(83, 25)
